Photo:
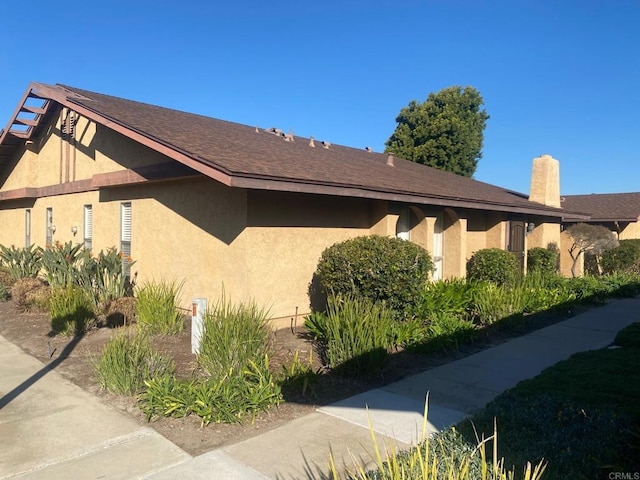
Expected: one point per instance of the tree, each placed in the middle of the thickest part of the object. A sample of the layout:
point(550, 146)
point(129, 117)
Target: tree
point(445, 132)
point(594, 239)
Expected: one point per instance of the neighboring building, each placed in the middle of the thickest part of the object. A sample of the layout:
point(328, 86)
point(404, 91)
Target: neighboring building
point(619, 212)
point(222, 205)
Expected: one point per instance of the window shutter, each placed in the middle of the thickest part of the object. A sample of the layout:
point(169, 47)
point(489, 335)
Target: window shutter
point(88, 226)
point(125, 229)
point(125, 238)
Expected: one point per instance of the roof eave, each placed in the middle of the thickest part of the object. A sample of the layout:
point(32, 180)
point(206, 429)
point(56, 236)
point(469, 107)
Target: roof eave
point(361, 192)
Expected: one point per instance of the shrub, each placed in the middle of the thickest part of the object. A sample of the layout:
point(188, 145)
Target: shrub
point(226, 400)
point(445, 455)
point(234, 336)
point(31, 294)
point(121, 311)
point(446, 331)
point(574, 439)
point(298, 377)
point(128, 361)
point(493, 302)
point(625, 257)
point(71, 310)
point(588, 289)
point(21, 262)
point(6, 280)
point(542, 260)
point(108, 281)
point(157, 310)
point(234, 353)
point(449, 296)
point(376, 267)
point(494, 265)
point(65, 264)
point(4, 293)
point(629, 336)
point(543, 291)
point(353, 335)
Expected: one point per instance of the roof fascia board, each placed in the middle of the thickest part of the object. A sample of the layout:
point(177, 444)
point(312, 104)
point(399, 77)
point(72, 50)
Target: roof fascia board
point(603, 219)
point(262, 184)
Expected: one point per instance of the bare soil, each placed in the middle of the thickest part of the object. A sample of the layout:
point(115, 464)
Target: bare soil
point(73, 359)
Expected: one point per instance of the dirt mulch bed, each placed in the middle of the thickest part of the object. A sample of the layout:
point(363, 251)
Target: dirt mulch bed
point(73, 359)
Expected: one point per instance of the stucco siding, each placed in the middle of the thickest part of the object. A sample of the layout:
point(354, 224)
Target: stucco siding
point(631, 231)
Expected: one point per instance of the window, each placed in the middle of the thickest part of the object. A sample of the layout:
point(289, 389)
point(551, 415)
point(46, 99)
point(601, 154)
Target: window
point(403, 228)
point(50, 228)
point(27, 228)
point(125, 238)
point(438, 247)
point(88, 226)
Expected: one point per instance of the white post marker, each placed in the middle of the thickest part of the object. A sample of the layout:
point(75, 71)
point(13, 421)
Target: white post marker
point(198, 309)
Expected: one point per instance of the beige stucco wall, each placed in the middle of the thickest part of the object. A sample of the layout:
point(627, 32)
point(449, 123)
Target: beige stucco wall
point(631, 231)
point(260, 245)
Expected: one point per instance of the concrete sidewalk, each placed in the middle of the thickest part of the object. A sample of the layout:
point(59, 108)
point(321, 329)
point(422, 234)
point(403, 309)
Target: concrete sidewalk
point(52, 429)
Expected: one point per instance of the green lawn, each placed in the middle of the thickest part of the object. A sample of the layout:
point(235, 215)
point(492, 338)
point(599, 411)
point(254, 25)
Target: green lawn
point(582, 415)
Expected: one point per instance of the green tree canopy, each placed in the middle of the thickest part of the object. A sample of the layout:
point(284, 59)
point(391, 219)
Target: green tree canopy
point(445, 132)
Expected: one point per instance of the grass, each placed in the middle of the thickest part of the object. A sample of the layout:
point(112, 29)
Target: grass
point(582, 415)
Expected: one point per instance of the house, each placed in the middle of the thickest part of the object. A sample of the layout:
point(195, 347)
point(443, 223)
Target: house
point(221, 205)
point(619, 212)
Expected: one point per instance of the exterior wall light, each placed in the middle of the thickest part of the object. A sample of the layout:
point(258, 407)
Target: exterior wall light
point(530, 227)
point(53, 229)
point(74, 230)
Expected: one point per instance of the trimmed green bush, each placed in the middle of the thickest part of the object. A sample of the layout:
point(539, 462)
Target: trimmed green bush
point(376, 267)
point(71, 310)
point(128, 361)
point(542, 260)
point(157, 310)
point(493, 265)
point(624, 258)
point(354, 334)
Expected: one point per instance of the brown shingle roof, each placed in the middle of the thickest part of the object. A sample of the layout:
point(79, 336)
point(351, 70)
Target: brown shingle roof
point(246, 158)
point(606, 207)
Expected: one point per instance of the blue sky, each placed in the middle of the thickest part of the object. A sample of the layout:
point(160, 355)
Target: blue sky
point(557, 77)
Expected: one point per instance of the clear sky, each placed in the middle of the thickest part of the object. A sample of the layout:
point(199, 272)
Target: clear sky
point(557, 77)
